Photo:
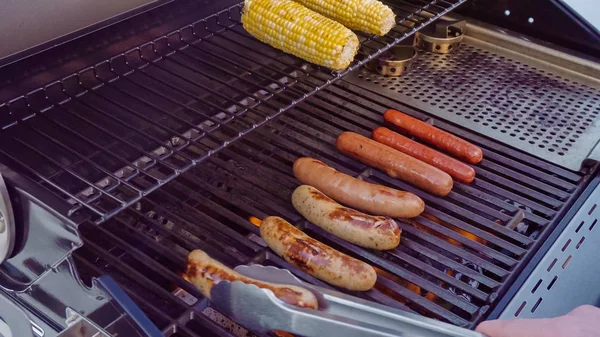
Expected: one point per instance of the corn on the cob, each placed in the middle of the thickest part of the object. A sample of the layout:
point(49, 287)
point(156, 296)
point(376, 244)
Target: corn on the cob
point(369, 16)
point(295, 29)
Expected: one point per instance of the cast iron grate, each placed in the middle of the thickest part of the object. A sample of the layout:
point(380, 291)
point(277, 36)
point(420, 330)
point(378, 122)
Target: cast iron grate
point(453, 263)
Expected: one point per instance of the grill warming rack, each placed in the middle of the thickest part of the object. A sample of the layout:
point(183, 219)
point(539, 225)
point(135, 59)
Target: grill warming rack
point(453, 264)
point(160, 105)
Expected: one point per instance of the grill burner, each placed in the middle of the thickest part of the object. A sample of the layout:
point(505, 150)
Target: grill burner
point(465, 279)
point(452, 265)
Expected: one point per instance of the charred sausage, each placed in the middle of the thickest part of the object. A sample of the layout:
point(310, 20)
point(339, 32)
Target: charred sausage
point(205, 272)
point(376, 232)
point(316, 258)
point(443, 140)
point(395, 163)
point(456, 169)
point(352, 192)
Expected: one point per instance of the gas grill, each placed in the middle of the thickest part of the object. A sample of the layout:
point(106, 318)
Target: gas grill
point(122, 159)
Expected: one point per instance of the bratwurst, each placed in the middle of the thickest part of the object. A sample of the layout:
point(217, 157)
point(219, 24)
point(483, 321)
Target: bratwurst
point(439, 138)
point(376, 232)
point(395, 163)
point(205, 272)
point(355, 193)
point(456, 169)
point(316, 258)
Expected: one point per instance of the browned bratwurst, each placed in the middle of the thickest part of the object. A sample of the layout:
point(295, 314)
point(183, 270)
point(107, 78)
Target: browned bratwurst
point(395, 163)
point(371, 198)
point(205, 272)
point(437, 137)
point(376, 232)
point(456, 169)
point(316, 258)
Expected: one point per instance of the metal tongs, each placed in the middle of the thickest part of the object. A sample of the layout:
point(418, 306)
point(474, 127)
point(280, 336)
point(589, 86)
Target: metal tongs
point(338, 315)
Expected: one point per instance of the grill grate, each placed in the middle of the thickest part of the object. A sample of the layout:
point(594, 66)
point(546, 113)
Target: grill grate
point(552, 116)
point(453, 263)
point(167, 105)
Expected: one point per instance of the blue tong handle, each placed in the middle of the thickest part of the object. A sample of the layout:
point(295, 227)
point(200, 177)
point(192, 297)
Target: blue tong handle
point(136, 314)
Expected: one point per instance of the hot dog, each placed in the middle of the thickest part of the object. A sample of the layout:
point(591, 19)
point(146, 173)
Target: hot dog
point(352, 192)
point(204, 272)
point(316, 258)
point(376, 232)
point(456, 169)
point(396, 164)
point(434, 136)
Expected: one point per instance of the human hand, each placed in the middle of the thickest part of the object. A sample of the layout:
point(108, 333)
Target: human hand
point(583, 321)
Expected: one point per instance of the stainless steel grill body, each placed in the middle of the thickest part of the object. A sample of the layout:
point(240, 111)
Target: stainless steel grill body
point(173, 145)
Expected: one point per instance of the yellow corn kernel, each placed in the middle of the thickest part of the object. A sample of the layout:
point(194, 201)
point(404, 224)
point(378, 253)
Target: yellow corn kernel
point(295, 29)
point(369, 16)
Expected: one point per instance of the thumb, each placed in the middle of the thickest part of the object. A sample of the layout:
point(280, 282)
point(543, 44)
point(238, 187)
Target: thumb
point(519, 328)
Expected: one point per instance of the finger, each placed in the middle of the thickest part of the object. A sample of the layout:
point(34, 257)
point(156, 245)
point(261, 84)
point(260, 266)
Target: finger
point(518, 328)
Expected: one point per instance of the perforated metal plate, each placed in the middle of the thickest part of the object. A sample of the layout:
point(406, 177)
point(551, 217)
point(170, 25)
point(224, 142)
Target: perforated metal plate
point(552, 115)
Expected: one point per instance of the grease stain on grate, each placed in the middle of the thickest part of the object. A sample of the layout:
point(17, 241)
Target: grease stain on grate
point(542, 113)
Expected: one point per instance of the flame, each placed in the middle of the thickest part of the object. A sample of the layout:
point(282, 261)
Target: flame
point(255, 221)
point(280, 333)
point(462, 232)
point(184, 276)
point(414, 288)
point(409, 285)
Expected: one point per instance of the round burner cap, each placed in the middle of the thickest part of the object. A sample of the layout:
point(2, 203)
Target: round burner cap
point(395, 62)
point(442, 37)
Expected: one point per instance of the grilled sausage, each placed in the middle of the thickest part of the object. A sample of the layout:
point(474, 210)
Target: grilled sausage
point(352, 192)
point(456, 169)
point(430, 134)
point(204, 272)
point(376, 232)
point(396, 164)
point(316, 258)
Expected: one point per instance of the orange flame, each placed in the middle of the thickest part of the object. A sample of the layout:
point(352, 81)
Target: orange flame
point(409, 285)
point(280, 333)
point(255, 221)
point(462, 232)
